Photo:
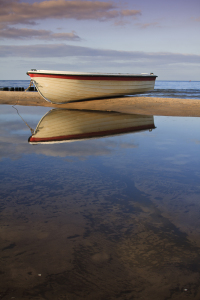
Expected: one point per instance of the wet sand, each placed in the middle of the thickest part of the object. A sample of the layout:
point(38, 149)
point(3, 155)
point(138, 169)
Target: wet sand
point(116, 244)
point(132, 105)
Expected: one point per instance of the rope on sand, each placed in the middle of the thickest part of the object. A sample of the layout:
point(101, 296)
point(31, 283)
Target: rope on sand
point(31, 83)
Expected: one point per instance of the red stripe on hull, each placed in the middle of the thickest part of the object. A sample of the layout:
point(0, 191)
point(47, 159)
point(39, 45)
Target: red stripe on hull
point(92, 134)
point(89, 77)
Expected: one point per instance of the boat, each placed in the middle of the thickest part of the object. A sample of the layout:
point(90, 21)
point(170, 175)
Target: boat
point(63, 86)
point(63, 125)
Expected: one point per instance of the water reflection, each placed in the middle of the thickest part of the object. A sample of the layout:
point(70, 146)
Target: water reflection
point(62, 125)
point(107, 218)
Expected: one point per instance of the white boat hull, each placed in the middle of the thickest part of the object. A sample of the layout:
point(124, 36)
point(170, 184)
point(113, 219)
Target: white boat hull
point(62, 88)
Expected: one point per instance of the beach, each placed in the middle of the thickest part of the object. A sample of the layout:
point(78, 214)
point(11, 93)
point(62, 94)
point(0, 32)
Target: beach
point(132, 105)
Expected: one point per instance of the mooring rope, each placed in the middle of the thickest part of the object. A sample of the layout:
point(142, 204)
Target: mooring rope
point(31, 83)
point(31, 129)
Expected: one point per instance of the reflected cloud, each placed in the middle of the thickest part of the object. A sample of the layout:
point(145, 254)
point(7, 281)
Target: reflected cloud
point(64, 133)
point(127, 145)
point(180, 159)
point(15, 146)
point(118, 217)
point(197, 142)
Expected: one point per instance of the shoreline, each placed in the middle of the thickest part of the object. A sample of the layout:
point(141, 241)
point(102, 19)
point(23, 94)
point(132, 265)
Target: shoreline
point(129, 105)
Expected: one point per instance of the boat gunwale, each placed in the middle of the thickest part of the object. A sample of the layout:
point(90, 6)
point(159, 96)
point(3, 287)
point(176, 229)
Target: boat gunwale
point(93, 76)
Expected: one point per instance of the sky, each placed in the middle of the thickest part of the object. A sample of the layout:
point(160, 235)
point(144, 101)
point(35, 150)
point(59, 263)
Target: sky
point(131, 36)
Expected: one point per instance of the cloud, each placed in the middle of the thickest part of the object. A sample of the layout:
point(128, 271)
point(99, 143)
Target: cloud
point(16, 12)
point(196, 19)
point(63, 50)
point(146, 25)
point(130, 12)
point(24, 33)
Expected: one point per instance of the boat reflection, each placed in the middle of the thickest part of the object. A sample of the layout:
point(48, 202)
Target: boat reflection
point(63, 125)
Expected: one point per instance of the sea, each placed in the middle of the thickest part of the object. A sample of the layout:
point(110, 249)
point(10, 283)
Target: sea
point(166, 89)
point(100, 205)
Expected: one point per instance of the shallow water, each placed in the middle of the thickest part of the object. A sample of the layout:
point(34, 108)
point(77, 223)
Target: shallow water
point(176, 89)
point(107, 217)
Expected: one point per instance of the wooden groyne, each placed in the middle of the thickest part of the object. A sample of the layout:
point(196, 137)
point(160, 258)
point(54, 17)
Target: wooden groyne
point(132, 105)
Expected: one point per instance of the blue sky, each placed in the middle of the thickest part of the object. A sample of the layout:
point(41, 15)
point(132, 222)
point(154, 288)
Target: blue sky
point(135, 36)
